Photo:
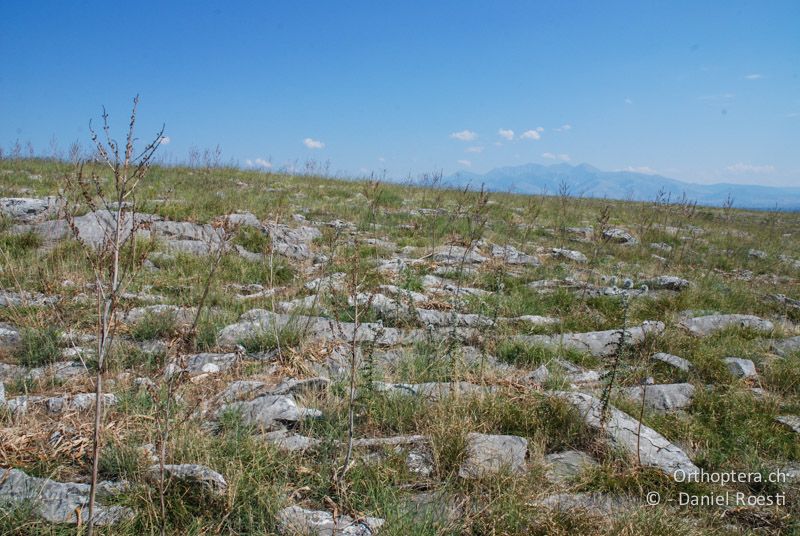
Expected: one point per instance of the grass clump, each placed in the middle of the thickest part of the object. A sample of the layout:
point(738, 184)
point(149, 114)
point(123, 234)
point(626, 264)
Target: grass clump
point(39, 347)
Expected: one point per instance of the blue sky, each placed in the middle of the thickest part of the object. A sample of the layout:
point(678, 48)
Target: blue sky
point(699, 91)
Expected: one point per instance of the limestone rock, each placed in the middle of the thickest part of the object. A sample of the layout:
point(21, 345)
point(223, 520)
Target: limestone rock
point(27, 209)
point(663, 397)
point(297, 521)
point(597, 343)
point(792, 421)
point(672, 360)
point(56, 502)
point(211, 482)
point(702, 326)
point(490, 454)
point(565, 466)
point(741, 368)
point(654, 450)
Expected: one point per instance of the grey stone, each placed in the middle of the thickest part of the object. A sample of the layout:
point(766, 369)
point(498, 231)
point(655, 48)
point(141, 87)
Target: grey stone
point(432, 390)
point(569, 254)
point(663, 397)
point(741, 368)
point(9, 337)
point(783, 347)
point(56, 502)
point(456, 255)
point(10, 298)
point(29, 210)
point(294, 243)
point(210, 363)
point(597, 343)
point(626, 433)
point(620, 236)
point(667, 282)
point(791, 421)
point(757, 254)
point(490, 454)
point(672, 360)
point(288, 441)
point(703, 326)
point(208, 480)
point(661, 246)
point(268, 411)
point(297, 521)
point(565, 466)
point(2, 394)
point(512, 255)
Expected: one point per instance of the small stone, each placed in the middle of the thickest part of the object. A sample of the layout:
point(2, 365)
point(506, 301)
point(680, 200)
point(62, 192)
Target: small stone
point(792, 421)
point(211, 482)
point(491, 454)
point(741, 368)
point(672, 360)
point(565, 466)
point(295, 521)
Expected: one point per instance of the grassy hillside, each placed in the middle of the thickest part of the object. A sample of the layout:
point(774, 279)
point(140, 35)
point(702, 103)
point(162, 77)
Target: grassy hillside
point(735, 262)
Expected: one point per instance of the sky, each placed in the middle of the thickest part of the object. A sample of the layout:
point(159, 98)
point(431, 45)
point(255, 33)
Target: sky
point(699, 91)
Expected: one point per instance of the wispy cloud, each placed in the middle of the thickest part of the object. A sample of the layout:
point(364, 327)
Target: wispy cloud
point(564, 128)
point(465, 163)
point(552, 156)
point(647, 170)
point(475, 149)
point(754, 76)
point(258, 162)
point(506, 133)
point(531, 135)
point(742, 168)
point(164, 140)
point(464, 135)
point(628, 100)
point(311, 143)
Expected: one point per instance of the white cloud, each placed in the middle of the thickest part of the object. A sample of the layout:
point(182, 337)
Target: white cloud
point(464, 135)
point(465, 163)
point(552, 156)
point(475, 149)
point(563, 128)
point(754, 76)
point(506, 133)
point(531, 135)
point(628, 101)
point(258, 162)
point(164, 140)
point(647, 170)
point(311, 143)
point(741, 167)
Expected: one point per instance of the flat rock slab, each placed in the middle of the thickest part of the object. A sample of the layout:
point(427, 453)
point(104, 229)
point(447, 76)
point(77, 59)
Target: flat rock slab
point(257, 322)
point(432, 390)
point(196, 476)
point(56, 502)
point(9, 336)
point(787, 346)
point(596, 343)
point(565, 466)
point(792, 421)
point(703, 326)
point(626, 433)
point(490, 454)
point(663, 397)
point(297, 521)
point(741, 368)
point(457, 255)
point(267, 412)
point(667, 282)
point(10, 298)
point(673, 360)
point(29, 209)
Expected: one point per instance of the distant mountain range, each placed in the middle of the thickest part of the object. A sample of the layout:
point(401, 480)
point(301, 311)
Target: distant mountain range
point(588, 181)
